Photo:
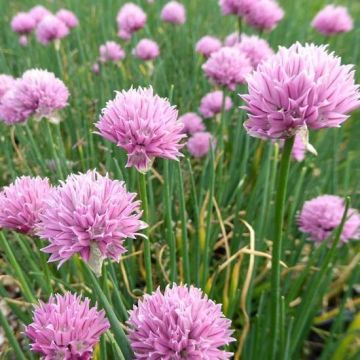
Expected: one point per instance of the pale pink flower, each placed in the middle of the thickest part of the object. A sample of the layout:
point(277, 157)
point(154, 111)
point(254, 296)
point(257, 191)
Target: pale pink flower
point(207, 45)
point(146, 50)
point(255, 48)
point(320, 216)
point(227, 67)
point(199, 144)
point(90, 215)
point(6, 83)
point(96, 68)
point(68, 18)
point(192, 123)
point(264, 15)
point(38, 13)
point(66, 327)
point(298, 88)
point(182, 323)
point(23, 23)
point(144, 125)
point(232, 39)
point(332, 20)
point(130, 19)
point(111, 51)
point(174, 13)
point(211, 104)
point(236, 7)
point(50, 29)
point(23, 40)
point(22, 202)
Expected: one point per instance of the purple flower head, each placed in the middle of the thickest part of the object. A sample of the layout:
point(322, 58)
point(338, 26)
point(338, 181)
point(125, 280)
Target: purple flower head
point(332, 20)
point(11, 109)
point(6, 83)
point(207, 45)
point(264, 15)
point(95, 68)
point(37, 92)
point(236, 7)
point(192, 123)
point(211, 104)
point(130, 19)
point(23, 40)
point(174, 13)
point(90, 215)
point(227, 67)
point(255, 48)
point(22, 202)
point(298, 88)
point(66, 327)
point(199, 144)
point(144, 125)
point(146, 50)
point(23, 23)
point(38, 13)
point(50, 28)
point(68, 18)
point(232, 39)
point(182, 323)
point(111, 51)
point(320, 216)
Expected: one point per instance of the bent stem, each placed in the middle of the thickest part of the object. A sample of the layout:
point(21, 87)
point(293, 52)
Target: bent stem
point(277, 243)
point(147, 250)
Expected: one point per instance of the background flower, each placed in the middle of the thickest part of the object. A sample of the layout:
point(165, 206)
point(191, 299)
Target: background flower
point(320, 216)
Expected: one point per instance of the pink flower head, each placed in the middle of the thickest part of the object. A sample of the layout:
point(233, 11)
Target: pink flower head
point(23, 23)
point(320, 216)
point(227, 67)
point(211, 104)
point(68, 18)
point(22, 202)
point(236, 7)
point(66, 327)
point(199, 144)
point(90, 215)
point(255, 48)
point(182, 323)
point(299, 87)
point(332, 20)
point(207, 45)
point(192, 123)
point(174, 13)
point(38, 13)
point(232, 39)
point(146, 50)
point(50, 28)
point(37, 92)
point(130, 19)
point(11, 109)
point(144, 125)
point(6, 83)
point(96, 68)
point(23, 40)
point(111, 51)
point(264, 15)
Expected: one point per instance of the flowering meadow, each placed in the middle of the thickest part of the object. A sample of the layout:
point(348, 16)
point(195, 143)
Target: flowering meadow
point(179, 180)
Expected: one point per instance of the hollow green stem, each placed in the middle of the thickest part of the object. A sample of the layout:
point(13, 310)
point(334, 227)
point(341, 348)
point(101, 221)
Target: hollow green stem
point(277, 244)
point(147, 248)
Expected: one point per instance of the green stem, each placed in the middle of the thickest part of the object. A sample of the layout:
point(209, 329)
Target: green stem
point(147, 247)
point(53, 151)
point(116, 328)
point(11, 337)
point(277, 244)
point(168, 218)
point(18, 271)
point(239, 26)
point(185, 240)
